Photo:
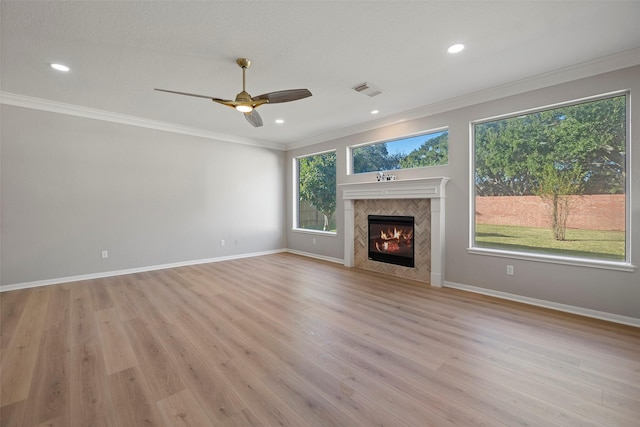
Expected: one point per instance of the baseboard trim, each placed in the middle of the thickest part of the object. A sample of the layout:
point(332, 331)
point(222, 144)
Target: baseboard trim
point(610, 317)
point(316, 256)
point(59, 280)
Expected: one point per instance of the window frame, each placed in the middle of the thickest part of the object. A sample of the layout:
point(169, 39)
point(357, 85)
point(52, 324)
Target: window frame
point(296, 194)
point(350, 148)
point(625, 265)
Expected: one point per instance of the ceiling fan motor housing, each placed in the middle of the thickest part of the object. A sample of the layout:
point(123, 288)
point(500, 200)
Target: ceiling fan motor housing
point(244, 97)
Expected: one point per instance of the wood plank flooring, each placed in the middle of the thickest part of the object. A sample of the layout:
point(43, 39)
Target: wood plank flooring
point(283, 340)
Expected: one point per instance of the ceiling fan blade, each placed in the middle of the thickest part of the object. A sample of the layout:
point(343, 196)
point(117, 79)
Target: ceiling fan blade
point(284, 95)
point(254, 118)
point(194, 94)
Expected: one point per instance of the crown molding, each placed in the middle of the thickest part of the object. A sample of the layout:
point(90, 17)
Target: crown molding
point(16, 100)
point(624, 59)
point(613, 62)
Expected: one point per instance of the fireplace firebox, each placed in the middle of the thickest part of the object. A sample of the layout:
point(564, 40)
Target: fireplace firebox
point(391, 239)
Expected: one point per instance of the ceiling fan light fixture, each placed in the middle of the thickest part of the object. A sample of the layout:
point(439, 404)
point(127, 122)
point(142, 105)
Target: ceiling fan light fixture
point(244, 108)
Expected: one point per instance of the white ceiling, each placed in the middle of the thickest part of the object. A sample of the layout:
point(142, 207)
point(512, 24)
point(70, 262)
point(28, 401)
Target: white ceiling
point(119, 51)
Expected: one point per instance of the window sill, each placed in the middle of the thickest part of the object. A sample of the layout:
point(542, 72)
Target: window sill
point(316, 232)
point(579, 262)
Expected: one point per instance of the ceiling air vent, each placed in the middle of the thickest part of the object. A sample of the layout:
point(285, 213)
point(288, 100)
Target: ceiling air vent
point(367, 89)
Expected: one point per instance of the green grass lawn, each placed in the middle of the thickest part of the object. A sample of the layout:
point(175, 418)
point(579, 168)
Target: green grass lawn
point(607, 245)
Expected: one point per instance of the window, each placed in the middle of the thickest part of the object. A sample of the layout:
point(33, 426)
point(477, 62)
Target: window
point(316, 192)
point(430, 149)
point(552, 182)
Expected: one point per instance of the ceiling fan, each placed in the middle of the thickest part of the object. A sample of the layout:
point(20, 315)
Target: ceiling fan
point(247, 104)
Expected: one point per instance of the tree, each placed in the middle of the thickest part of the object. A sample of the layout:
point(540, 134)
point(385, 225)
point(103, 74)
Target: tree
point(557, 185)
point(434, 151)
point(511, 153)
point(317, 183)
point(374, 158)
point(570, 150)
point(593, 135)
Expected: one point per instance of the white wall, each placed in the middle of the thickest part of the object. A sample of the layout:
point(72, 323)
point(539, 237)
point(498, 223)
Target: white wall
point(72, 187)
point(608, 291)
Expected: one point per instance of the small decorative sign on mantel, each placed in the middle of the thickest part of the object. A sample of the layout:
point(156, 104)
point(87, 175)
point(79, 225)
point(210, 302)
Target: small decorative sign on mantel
point(381, 176)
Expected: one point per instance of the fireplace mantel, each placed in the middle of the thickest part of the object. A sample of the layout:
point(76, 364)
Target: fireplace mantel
point(421, 188)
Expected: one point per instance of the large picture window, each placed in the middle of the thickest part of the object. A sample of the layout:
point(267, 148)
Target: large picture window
point(428, 149)
point(316, 192)
point(553, 182)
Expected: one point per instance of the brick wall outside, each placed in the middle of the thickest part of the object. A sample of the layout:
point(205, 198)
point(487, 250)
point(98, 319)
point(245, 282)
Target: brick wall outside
point(591, 212)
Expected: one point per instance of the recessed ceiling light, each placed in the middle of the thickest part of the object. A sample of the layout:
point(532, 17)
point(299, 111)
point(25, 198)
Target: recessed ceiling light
point(60, 67)
point(375, 111)
point(279, 121)
point(455, 48)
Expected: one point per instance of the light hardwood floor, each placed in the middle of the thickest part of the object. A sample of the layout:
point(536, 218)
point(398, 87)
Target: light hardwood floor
point(283, 340)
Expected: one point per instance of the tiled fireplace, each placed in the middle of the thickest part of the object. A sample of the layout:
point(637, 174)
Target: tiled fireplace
point(422, 199)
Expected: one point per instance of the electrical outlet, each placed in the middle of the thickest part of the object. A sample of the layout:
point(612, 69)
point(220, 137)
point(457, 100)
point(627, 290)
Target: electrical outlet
point(314, 240)
point(509, 270)
point(105, 254)
point(222, 243)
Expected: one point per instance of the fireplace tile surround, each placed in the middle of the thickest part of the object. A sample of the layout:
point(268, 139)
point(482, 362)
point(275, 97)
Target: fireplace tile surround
point(417, 208)
point(432, 270)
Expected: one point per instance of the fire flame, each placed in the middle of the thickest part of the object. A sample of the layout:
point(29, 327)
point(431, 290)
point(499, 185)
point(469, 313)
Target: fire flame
point(393, 240)
point(396, 234)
